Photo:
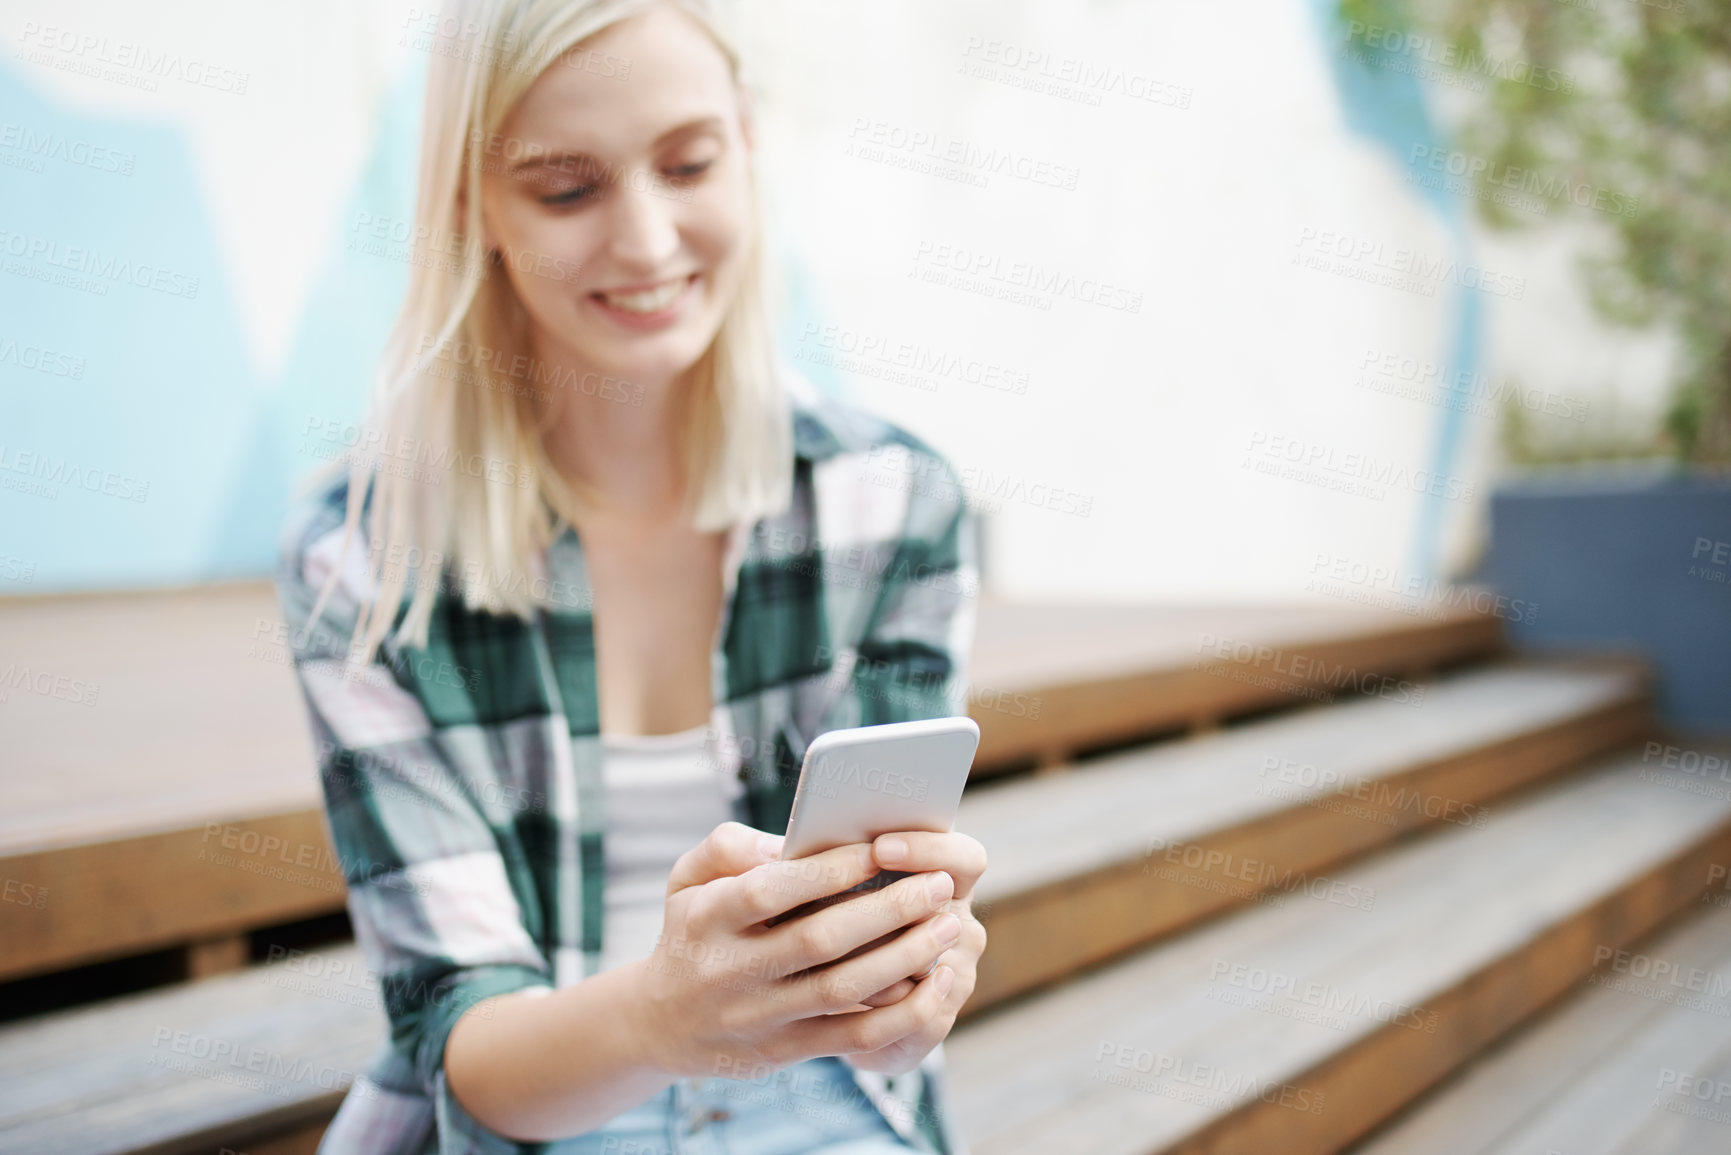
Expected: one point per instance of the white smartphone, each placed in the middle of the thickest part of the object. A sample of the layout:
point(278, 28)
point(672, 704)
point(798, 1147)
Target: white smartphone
point(858, 783)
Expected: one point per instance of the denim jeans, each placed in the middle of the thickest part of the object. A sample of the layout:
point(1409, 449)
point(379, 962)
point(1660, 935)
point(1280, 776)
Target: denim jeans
point(808, 1108)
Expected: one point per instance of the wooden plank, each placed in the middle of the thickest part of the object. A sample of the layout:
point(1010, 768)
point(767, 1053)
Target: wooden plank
point(262, 1054)
point(195, 716)
point(1123, 673)
point(202, 727)
point(304, 1141)
point(1615, 1067)
point(1298, 1028)
point(130, 895)
point(1141, 844)
point(201, 719)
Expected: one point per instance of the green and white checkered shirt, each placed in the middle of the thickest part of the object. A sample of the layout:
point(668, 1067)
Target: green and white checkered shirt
point(462, 782)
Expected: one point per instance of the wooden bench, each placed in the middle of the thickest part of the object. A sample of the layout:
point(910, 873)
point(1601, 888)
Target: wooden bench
point(185, 812)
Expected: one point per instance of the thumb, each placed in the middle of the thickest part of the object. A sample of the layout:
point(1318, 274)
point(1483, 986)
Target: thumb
point(731, 849)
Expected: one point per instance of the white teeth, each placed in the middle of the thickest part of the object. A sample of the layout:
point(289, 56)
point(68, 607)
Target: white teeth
point(648, 301)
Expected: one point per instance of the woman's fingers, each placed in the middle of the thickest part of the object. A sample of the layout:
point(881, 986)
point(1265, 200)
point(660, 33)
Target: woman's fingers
point(773, 888)
point(875, 1028)
point(963, 960)
point(962, 856)
point(894, 993)
point(731, 849)
point(831, 934)
point(845, 985)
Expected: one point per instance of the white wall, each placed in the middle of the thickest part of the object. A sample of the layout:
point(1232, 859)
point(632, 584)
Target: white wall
point(1149, 416)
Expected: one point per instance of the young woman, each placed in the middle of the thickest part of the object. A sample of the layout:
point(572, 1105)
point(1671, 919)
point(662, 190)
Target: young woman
point(565, 628)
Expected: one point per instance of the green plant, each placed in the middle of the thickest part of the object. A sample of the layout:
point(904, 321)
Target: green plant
point(1616, 112)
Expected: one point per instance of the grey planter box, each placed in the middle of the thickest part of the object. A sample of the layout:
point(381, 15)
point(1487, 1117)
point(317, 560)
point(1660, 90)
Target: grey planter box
point(1625, 559)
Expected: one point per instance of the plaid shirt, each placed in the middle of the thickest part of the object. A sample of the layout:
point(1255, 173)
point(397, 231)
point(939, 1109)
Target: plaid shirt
point(462, 782)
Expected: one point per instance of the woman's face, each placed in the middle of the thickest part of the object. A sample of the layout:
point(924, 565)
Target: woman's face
point(618, 192)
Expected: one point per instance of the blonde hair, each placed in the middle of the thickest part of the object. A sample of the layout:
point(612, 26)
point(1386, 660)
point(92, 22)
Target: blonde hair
point(736, 439)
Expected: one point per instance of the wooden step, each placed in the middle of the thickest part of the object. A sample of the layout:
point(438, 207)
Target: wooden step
point(196, 744)
point(1635, 1061)
point(195, 752)
point(1136, 845)
point(1296, 1029)
point(260, 1054)
point(1052, 680)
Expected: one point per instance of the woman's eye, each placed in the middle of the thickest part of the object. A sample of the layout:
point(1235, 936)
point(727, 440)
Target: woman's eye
point(591, 192)
point(691, 171)
point(571, 196)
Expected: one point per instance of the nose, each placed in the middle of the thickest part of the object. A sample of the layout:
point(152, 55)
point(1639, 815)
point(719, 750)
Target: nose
point(644, 228)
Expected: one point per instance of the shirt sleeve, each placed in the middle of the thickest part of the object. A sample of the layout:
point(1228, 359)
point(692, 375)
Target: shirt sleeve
point(913, 659)
point(436, 911)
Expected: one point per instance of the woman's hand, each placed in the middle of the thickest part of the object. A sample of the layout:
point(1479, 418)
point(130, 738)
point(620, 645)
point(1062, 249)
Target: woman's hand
point(724, 995)
point(964, 859)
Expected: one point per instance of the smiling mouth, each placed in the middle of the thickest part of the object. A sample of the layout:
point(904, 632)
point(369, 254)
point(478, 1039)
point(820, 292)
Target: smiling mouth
point(646, 301)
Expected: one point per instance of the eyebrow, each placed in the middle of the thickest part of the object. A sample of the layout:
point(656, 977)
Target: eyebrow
point(562, 156)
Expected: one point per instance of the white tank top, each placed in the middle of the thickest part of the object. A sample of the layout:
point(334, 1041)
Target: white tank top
point(665, 793)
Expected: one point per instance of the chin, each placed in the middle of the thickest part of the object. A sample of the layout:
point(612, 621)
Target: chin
point(664, 356)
